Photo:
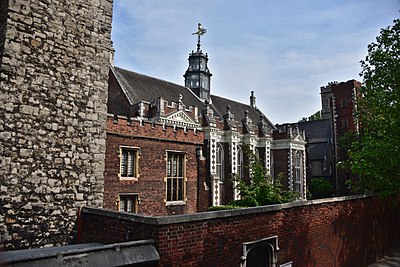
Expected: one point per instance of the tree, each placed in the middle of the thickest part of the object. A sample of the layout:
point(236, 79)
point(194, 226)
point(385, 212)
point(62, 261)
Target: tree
point(313, 117)
point(375, 156)
point(263, 189)
point(321, 188)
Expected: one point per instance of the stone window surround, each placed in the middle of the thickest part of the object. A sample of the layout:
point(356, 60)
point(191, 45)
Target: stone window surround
point(184, 178)
point(271, 242)
point(135, 165)
point(124, 197)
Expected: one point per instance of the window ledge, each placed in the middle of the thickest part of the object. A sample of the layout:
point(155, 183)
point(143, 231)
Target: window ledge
point(176, 203)
point(128, 178)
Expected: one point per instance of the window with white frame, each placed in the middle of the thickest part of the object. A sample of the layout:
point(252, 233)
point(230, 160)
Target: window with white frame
point(219, 162)
point(297, 173)
point(176, 176)
point(129, 163)
point(128, 202)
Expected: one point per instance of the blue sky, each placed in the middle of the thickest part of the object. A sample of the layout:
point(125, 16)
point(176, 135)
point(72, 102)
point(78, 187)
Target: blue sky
point(284, 51)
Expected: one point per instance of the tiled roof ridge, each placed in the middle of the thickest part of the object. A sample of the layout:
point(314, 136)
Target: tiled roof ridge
point(150, 77)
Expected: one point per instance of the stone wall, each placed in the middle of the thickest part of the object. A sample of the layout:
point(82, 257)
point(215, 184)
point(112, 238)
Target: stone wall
point(347, 231)
point(3, 18)
point(53, 93)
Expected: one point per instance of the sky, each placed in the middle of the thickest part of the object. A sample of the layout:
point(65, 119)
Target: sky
point(284, 50)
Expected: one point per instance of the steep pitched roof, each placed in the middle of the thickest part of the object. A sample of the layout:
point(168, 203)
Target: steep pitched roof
point(317, 151)
point(316, 131)
point(139, 87)
point(237, 109)
point(318, 135)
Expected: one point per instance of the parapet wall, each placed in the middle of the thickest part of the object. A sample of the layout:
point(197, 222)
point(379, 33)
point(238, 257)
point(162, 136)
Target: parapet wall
point(347, 231)
point(53, 92)
point(140, 128)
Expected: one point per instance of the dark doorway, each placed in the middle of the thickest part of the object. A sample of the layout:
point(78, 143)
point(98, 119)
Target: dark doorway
point(259, 256)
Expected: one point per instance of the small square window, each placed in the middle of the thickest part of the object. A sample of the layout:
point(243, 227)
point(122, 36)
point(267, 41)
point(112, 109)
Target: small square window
point(129, 161)
point(128, 203)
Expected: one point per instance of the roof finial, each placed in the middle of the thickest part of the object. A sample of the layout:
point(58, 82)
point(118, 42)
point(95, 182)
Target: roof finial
point(200, 31)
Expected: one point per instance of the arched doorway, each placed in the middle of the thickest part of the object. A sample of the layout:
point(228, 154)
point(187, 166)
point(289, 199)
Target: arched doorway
point(260, 256)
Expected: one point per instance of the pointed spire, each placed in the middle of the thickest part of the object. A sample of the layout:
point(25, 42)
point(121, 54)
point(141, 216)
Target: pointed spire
point(252, 100)
point(246, 123)
point(262, 130)
point(180, 103)
point(208, 114)
point(229, 119)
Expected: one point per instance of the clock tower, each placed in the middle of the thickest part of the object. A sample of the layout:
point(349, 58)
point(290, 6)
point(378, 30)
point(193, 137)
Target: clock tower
point(198, 76)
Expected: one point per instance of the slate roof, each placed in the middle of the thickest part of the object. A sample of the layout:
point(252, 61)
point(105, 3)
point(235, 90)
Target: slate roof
point(316, 131)
point(318, 136)
point(237, 109)
point(317, 151)
point(139, 87)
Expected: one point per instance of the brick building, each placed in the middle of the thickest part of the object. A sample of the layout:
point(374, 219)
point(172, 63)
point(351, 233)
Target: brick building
point(339, 105)
point(173, 149)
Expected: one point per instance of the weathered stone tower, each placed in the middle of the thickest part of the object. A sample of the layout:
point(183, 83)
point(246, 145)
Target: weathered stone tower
point(54, 59)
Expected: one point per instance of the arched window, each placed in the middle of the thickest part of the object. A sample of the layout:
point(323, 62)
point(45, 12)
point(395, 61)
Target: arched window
point(219, 162)
point(297, 173)
point(257, 154)
point(239, 164)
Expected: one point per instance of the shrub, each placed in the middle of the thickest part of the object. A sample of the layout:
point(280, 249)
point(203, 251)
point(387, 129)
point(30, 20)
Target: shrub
point(321, 188)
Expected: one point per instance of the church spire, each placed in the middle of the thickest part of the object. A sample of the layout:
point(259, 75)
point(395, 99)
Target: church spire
point(198, 76)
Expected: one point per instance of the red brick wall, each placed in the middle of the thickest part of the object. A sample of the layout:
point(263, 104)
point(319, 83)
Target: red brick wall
point(335, 232)
point(153, 142)
point(344, 113)
point(281, 165)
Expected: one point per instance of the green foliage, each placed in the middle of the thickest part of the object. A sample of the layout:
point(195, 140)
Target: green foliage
point(314, 117)
point(263, 190)
point(321, 188)
point(223, 207)
point(375, 156)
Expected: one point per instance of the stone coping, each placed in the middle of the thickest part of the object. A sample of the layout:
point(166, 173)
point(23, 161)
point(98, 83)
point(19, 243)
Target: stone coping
point(209, 215)
point(29, 255)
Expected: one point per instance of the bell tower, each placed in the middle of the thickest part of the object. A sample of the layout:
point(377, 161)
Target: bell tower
point(198, 76)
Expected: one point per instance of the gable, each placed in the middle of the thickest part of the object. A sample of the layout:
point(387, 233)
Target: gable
point(299, 138)
point(180, 116)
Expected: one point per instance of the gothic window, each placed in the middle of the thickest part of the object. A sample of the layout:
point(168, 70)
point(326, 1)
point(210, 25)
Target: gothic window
point(345, 124)
point(239, 162)
point(257, 154)
point(176, 176)
point(297, 173)
point(129, 161)
point(344, 103)
point(128, 202)
point(219, 162)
